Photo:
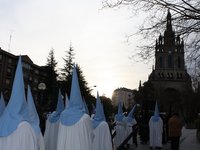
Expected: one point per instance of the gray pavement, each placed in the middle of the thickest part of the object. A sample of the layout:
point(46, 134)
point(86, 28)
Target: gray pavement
point(188, 141)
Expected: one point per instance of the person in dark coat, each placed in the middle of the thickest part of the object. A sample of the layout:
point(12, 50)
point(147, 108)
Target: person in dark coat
point(174, 130)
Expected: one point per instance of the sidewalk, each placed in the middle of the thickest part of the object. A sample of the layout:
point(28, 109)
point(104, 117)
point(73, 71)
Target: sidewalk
point(188, 141)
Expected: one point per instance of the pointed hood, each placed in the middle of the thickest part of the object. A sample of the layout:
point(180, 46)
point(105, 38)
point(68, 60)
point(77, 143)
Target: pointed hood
point(130, 116)
point(99, 115)
point(103, 111)
point(55, 116)
point(156, 115)
point(16, 110)
point(66, 100)
point(33, 115)
point(74, 111)
point(119, 116)
point(85, 106)
point(2, 104)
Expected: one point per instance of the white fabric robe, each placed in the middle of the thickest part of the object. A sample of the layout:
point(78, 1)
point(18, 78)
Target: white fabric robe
point(40, 141)
point(51, 135)
point(102, 138)
point(120, 133)
point(77, 136)
point(156, 130)
point(129, 129)
point(23, 138)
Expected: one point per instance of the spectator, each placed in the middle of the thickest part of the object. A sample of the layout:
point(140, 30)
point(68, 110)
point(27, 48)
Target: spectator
point(174, 130)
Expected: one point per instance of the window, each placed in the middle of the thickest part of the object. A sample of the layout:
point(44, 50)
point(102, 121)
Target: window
point(160, 62)
point(36, 72)
point(7, 82)
point(27, 66)
point(35, 80)
point(0, 57)
point(10, 60)
point(8, 71)
point(179, 62)
point(170, 63)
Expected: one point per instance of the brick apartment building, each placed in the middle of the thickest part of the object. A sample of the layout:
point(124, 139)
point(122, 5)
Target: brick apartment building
point(33, 74)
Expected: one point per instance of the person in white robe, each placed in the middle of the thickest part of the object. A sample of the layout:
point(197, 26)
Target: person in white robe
point(52, 125)
point(2, 104)
point(102, 138)
point(34, 120)
point(16, 133)
point(120, 126)
point(130, 122)
point(155, 129)
point(75, 129)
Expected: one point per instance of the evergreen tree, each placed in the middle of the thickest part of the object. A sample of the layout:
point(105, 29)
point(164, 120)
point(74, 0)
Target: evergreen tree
point(85, 90)
point(66, 71)
point(51, 81)
point(68, 64)
point(51, 62)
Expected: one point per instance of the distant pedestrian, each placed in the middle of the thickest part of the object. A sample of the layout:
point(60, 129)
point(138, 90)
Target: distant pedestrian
point(155, 129)
point(174, 130)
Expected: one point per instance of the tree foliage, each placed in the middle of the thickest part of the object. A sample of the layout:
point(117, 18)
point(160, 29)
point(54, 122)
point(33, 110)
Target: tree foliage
point(68, 64)
point(186, 22)
point(51, 81)
point(108, 107)
point(51, 61)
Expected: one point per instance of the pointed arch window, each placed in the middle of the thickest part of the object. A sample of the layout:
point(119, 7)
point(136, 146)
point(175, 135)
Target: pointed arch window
point(160, 62)
point(170, 63)
point(179, 62)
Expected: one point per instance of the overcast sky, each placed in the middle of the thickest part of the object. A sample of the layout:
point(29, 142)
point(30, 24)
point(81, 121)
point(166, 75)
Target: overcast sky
point(97, 36)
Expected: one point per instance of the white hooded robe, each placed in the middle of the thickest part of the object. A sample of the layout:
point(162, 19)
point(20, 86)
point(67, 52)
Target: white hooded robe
point(23, 138)
point(156, 130)
point(77, 136)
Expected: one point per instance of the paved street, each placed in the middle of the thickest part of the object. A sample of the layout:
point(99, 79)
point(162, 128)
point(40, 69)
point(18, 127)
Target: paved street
point(188, 141)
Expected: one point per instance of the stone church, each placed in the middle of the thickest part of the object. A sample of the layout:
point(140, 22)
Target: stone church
point(171, 82)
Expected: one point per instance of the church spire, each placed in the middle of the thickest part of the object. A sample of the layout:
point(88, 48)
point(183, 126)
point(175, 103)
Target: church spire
point(169, 21)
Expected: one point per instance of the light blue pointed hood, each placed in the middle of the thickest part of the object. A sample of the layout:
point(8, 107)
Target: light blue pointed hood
point(99, 115)
point(130, 116)
point(156, 115)
point(73, 113)
point(102, 108)
point(85, 106)
point(55, 116)
point(2, 104)
point(66, 100)
point(33, 115)
point(120, 115)
point(16, 110)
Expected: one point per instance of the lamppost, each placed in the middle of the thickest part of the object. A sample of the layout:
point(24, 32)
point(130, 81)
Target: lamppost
point(42, 87)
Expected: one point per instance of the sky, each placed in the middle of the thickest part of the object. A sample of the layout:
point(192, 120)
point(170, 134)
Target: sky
point(97, 35)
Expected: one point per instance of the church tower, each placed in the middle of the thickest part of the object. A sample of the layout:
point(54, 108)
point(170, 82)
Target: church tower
point(170, 78)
